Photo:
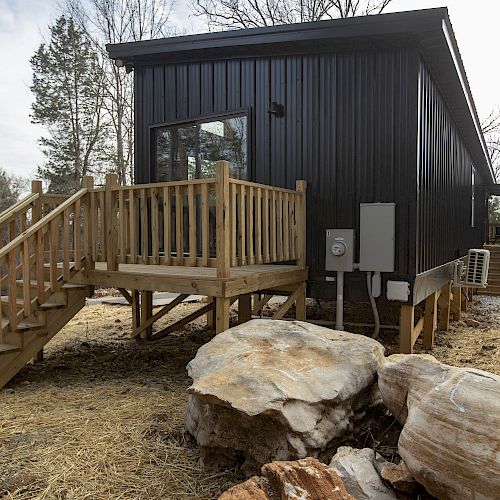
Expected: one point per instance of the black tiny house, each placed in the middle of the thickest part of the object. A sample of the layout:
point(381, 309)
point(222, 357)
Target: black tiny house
point(367, 109)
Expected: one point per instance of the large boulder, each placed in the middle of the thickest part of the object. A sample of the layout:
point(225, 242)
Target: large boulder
point(358, 471)
point(277, 390)
point(450, 440)
point(306, 479)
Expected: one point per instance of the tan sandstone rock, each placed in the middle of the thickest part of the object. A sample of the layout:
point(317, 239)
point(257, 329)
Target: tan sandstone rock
point(306, 479)
point(450, 440)
point(277, 390)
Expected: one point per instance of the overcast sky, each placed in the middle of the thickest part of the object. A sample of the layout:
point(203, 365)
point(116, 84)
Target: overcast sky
point(23, 23)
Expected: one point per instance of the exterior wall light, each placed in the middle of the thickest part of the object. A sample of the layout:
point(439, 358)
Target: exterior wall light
point(277, 109)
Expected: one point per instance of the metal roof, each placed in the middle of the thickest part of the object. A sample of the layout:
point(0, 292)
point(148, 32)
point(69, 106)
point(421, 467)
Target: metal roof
point(430, 29)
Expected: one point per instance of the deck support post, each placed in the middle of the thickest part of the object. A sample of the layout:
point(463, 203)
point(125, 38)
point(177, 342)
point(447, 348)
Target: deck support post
point(430, 320)
point(463, 299)
point(445, 307)
point(456, 307)
point(146, 312)
point(211, 314)
point(244, 308)
point(222, 243)
point(406, 325)
point(39, 356)
point(136, 311)
point(300, 304)
point(222, 306)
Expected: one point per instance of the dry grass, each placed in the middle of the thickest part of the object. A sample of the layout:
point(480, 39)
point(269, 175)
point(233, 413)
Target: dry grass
point(102, 416)
point(106, 441)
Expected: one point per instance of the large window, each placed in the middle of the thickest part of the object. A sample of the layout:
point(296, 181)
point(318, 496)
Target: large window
point(191, 150)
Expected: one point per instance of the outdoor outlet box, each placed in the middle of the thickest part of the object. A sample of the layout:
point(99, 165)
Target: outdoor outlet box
point(376, 236)
point(339, 250)
point(398, 290)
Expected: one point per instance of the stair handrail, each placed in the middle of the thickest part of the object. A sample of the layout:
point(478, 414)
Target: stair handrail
point(41, 223)
point(9, 213)
point(21, 244)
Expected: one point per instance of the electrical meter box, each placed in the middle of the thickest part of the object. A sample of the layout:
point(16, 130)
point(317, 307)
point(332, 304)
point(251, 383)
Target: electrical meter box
point(377, 222)
point(339, 250)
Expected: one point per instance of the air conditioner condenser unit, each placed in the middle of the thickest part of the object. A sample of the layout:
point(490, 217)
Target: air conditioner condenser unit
point(473, 273)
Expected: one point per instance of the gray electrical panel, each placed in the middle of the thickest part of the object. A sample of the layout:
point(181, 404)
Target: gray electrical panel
point(376, 237)
point(339, 250)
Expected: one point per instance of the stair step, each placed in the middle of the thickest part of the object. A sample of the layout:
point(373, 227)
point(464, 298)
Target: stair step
point(73, 286)
point(34, 284)
point(52, 305)
point(8, 348)
point(4, 299)
point(23, 325)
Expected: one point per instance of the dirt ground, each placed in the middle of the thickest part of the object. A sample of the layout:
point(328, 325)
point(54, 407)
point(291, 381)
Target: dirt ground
point(102, 416)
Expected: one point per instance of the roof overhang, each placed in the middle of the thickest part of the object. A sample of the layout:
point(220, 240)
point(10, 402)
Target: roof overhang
point(429, 29)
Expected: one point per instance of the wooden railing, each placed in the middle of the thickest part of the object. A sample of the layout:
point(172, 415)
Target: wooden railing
point(265, 223)
point(47, 251)
point(18, 217)
point(166, 223)
point(219, 222)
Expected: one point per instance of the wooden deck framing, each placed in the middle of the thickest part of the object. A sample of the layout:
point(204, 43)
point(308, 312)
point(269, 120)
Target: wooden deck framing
point(448, 302)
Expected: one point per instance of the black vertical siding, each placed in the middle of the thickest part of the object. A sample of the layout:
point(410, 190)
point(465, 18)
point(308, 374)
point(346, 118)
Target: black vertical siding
point(444, 230)
point(347, 129)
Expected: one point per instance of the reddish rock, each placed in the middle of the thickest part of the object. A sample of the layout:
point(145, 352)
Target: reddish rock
point(301, 479)
point(255, 488)
point(399, 477)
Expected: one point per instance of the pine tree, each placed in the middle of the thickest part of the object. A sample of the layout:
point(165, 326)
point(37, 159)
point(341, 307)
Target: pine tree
point(68, 89)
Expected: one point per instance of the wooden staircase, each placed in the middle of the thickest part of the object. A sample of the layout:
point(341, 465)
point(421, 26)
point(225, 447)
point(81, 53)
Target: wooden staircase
point(493, 287)
point(39, 254)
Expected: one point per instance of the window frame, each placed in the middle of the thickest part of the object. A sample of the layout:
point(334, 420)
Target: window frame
point(211, 117)
point(473, 197)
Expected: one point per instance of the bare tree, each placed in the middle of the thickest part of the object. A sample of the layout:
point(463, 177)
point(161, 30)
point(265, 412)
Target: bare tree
point(491, 132)
point(233, 14)
point(11, 188)
point(120, 21)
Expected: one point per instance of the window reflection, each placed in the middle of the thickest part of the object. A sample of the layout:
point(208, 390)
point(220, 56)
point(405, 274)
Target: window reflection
point(191, 151)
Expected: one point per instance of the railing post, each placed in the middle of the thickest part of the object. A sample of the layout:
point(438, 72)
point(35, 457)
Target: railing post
point(39, 241)
point(301, 187)
point(111, 223)
point(88, 220)
point(222, 219)
point(37, 211)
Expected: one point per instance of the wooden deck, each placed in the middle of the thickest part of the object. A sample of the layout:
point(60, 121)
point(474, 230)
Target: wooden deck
point(193, 280)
